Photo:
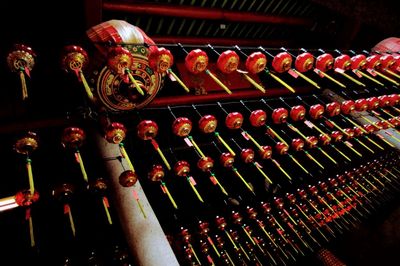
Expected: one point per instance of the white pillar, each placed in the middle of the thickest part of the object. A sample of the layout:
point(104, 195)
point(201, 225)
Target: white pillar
point(145, 237)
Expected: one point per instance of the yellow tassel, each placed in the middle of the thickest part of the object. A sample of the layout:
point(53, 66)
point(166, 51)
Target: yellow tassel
point(387, 78)
point(225, 144)
point(179, 80)
point(23, 85)
point(105, 205)
point(30, 176)
point(136, 196)
point(82, 166)
point(297, 162)
point(195, 190)
point(196, 146)
point(282, 82)
point(222, 85)
point(86, 86)
point(327, 155)
point(31, 234)
point(241, 178)
point(163, 158)
point(301, 75)
point(263, 173)
point(334, 80)
point(169, 195)
point(71, 220)
point(370, 78)
point(254, 83)
point(125, 155)
point(352, 79)
point(133, 80)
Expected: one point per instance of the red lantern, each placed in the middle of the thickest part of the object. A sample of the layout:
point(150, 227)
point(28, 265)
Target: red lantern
point(256, 62)
point(297, 144)
point(394, 99)
point(160, 59)
point(279, 115)
point(208, 123)
point(258, 118)
point(282, 62)
point(316, 111)
point(333, 109)
point(182, 168)
point(384, 100)
point(147, 129)
point(227, 159)
point(358, 61)
point(281, 148)
point(182, 126)
point(324, 139)
point(247, 155)
point(373, 61)
point(304, 62)
point(373, 103)
point(361, 105)
point(234, 120)
point(265, 152)
point(205, 164)
point(228, 62)
point(196, 61)
point(115, 133)
point(342, 62)
point(297, 113)
point(387, 61)
point(324, 62)
point(336, 136)
point(347, 107)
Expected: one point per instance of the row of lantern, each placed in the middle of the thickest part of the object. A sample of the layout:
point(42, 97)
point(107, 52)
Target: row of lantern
point(73, 137)
point(122, 63)
point(330, 136)
point(294, 222)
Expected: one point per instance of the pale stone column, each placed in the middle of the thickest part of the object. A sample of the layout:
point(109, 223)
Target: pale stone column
point(145, 237)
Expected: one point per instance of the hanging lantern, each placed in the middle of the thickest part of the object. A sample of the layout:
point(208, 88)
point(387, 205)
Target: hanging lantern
point(22, 60)
point(74, 60)
point(73, 138)
point(26, 145)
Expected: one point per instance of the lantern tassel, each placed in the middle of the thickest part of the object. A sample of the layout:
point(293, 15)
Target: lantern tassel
point(125, 155)
point(179, 80)
point(165, 189)
point(81, 165)
point(23, 85)
point(106, 206)
point(134, 82)
point(30, 176)
point(86, 86)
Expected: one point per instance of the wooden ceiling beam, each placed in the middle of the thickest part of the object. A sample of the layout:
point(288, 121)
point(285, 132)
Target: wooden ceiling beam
point(204, 13)
point(219, 41)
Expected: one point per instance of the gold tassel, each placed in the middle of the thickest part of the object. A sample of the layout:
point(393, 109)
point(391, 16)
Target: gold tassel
point(133, 80)
point(30, 176)
point(222, 85)
point(165, 189)
point(125, 155)
point(86, 86)
point(106, 206)
point(67, 210)
point(31, 233)
point(23, 85)
point(81, 165)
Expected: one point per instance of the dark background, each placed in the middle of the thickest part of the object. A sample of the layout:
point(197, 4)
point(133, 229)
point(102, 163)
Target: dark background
point(55, 99)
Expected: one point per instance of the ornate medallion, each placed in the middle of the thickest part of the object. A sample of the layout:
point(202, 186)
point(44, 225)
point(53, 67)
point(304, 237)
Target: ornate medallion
point(116, 94)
